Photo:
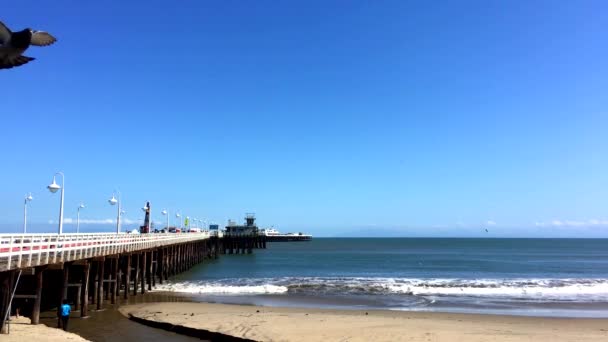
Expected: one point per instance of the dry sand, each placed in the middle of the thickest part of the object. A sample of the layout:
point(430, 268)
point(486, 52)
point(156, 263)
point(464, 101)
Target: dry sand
point(293, 324)
point(22, 330)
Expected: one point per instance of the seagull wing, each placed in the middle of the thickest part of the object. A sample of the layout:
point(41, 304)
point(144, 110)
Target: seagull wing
point(41, 38)
point(5, 34)
point(14, 61)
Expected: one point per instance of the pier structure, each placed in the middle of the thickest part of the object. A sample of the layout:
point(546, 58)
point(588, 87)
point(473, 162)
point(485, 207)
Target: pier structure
point(241, 239)
point(39, 271)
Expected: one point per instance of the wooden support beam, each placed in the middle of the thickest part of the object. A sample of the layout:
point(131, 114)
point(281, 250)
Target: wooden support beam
point(38, 298)
point(25, 296)
point(161, 264)
point(154, 267)
point(94, 266)
point(115, 284)
point(136, 275)
point(57, 266)
point(100, 272)
point(84, 296)
point(143, 272)
point(149, 271)
point(108, 280)
point(127, 276)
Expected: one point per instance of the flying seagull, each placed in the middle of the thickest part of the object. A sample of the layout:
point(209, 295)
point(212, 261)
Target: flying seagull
point(13, 44)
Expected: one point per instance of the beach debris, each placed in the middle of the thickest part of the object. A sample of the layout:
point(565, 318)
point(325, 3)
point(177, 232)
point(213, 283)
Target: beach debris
point(14, 44)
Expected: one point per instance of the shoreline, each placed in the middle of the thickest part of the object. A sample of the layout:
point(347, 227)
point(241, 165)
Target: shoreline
point(260, 323)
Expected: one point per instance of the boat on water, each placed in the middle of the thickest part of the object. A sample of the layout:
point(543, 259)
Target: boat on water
point(274, 235)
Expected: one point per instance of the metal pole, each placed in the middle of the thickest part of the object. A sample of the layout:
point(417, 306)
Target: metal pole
point(118, 214)
point(25, 215)
point(10, 302)
point(61, 205)
point(78, 221)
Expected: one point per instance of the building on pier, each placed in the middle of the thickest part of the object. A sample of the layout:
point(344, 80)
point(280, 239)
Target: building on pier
point(249, 228)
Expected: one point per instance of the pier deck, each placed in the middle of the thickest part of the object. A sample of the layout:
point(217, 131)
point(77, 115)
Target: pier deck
point(30, 250)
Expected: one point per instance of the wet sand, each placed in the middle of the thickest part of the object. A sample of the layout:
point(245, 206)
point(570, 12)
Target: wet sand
point(298, 324)
point(109, 325)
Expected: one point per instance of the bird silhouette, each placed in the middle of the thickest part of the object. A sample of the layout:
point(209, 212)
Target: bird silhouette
point(14, 44)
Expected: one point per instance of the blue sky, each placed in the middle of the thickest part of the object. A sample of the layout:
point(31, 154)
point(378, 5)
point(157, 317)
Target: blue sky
point(332, 117)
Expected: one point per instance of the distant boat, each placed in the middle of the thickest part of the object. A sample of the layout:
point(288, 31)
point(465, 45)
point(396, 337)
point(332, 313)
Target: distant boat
point(274, 235)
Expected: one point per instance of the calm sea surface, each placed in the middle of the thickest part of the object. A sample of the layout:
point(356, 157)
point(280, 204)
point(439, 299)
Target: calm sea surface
point(545, 277)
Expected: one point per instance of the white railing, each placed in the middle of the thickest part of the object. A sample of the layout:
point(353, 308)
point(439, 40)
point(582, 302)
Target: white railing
point(28, 250)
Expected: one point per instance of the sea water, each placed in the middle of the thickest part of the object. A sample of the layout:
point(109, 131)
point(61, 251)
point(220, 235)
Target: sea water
point(542, 277)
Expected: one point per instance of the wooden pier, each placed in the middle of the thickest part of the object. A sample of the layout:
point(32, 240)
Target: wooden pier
point(89, 270)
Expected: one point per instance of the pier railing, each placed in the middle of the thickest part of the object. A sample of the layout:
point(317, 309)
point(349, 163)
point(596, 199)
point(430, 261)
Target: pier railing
point(28, 250)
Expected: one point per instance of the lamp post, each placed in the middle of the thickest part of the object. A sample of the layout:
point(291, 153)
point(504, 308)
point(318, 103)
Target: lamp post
point(166, 213)
point(28, 198)
point(114, 201)
point(179, 216)
point(53, 188)
point(78, 218)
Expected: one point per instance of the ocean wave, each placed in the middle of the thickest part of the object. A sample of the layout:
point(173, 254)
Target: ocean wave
point(211, 288)
point(528, 289)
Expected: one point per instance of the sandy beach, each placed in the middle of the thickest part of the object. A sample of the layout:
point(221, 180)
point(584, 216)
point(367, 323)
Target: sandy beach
point(295, 324)
point(22, 330)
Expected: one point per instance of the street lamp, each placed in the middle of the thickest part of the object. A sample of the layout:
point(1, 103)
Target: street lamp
point(78, 218)
point(177, 215)
point(28, 198)
point(119, 212)
point(53, 188)
point(166, 213)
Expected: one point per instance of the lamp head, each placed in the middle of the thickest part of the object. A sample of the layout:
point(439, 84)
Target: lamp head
point(113, 200)
point(54, 186)
point(29, 197)
point(164, 212)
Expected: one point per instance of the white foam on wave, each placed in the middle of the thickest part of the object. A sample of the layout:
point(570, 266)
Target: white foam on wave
point(211, 288)
point(597, 291)
point(542, 289)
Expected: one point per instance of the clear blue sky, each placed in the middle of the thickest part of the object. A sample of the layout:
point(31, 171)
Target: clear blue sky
point(422, 118)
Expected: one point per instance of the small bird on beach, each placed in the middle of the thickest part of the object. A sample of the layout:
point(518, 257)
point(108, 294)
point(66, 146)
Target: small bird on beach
point(14, 44)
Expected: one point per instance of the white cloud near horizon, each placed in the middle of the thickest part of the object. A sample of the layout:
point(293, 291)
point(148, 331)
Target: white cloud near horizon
point(490, 223)
point(573, 223)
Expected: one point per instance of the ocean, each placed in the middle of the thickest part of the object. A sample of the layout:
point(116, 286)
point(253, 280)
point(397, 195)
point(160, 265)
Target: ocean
point(537, 277)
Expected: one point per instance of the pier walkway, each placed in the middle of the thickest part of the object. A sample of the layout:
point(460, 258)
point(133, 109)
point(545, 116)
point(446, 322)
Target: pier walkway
point(29, 250)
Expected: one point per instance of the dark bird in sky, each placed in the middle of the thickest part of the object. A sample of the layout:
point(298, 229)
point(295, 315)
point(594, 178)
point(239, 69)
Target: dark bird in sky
point(14, 44)
point(486, 230)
